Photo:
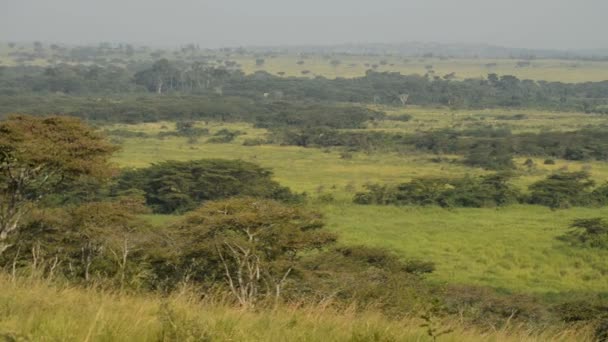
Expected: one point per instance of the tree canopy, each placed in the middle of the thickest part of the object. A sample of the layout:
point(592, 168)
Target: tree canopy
point(38, 154)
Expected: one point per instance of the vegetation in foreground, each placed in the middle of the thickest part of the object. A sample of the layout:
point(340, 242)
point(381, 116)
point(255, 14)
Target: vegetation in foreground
point(34, 309)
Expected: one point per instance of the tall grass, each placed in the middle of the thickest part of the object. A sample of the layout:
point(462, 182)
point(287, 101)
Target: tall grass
point(36, 310)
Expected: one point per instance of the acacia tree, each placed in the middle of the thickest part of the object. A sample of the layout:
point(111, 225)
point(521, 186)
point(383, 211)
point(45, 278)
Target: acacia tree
point(38, 154)
point(257, 243)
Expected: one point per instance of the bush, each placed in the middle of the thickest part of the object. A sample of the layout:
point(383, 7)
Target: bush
point(224, 136)
point(254, 142)
point(581, 310)
point(562, 190)
point(101, 241)
point(367, 275)
point(401, 117)
point(485, 306)
point(490, 154)
point(476, 192)
point(176, 187)
point(588, 233)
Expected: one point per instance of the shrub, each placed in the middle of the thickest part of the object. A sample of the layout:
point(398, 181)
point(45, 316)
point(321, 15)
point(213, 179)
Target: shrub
point(224, 136)
point(175, 187)
point(477, 192)
point(401, 117)
point(254, 142)
point(562, 190)
point(588, 233)
point(490, 154)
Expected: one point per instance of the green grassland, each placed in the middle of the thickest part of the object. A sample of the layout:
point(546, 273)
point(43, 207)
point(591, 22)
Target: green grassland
point(512, 248)
point(353, 66)
point(316, 171)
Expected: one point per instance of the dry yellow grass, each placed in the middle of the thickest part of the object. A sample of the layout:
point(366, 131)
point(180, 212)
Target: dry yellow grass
point(37, 310)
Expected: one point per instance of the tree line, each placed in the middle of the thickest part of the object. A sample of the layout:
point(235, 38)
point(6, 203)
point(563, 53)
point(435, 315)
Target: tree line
point(484, 147)
point(390, 88)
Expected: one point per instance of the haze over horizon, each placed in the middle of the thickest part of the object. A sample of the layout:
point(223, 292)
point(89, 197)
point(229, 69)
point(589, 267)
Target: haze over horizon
point(543, 24)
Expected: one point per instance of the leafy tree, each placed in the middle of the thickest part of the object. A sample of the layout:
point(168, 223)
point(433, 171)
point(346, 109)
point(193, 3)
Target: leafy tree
point(37, 155)
point(486, 191)
point(562, 190)
point(475, 192)
point(158, 78)
point(256, 243)
point(176, 187)
point(95, 240)
point(491, 155)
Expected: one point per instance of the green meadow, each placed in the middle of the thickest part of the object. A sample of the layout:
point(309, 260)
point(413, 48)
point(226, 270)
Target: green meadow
point(513, 248)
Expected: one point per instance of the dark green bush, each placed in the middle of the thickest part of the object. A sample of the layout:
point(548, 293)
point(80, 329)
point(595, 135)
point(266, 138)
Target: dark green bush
point(588, 233)
point(477, 192)
point(562, 190)
point(175, 187)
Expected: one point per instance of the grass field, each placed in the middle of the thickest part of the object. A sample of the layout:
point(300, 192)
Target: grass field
point(514, 248)
point(353, 66)
point(33, 310)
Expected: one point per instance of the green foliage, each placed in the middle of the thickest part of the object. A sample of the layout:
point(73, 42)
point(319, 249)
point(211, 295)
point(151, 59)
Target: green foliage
point(588, 233)
point(491, 308)
point(562, 190)
point(476, 192)
point(37, 155)
point(188, 129)
point(434, 328)
point(491, 155)
point(176, 187)
point(599, 195)
point(224, 136)
point(199, 77)
point(252, 245)
point(282, 114)
point(601, 331)
point(101, 241)
point(402, 117)
point(368, 275)
point(581, 310)
point(484, 147)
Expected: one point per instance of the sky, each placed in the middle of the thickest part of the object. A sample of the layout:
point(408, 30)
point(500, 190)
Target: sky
point(541, 24)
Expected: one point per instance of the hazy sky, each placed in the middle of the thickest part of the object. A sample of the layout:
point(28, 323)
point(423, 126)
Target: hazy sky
point(515, 23)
